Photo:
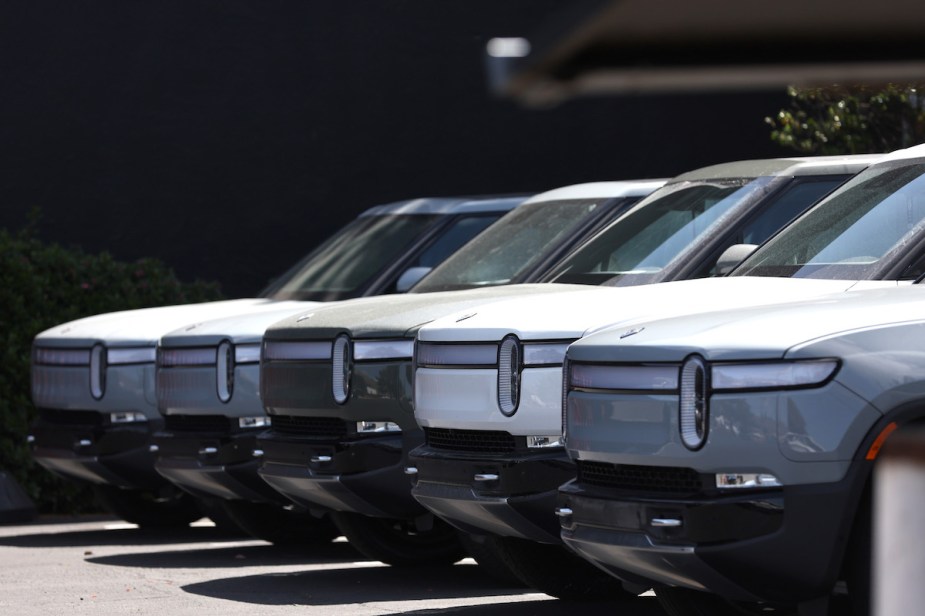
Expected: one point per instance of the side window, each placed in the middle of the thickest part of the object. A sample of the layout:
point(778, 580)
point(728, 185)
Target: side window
point(453, 238)
point(787, 206)
point(790, 203)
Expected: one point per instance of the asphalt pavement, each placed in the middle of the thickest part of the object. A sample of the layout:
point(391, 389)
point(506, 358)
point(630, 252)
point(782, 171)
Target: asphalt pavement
point(102, 566)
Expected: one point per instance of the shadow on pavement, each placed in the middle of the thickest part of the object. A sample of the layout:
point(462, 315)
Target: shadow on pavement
point(262, 555)
point(124, 536)
point(636, 606)
point(356, 585)
point(387, 584)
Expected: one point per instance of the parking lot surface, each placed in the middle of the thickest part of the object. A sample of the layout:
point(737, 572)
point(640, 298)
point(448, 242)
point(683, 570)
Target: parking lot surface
point(99, 565)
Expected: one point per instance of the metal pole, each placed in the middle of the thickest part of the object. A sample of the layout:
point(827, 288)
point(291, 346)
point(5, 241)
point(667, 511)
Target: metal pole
point(899, 526)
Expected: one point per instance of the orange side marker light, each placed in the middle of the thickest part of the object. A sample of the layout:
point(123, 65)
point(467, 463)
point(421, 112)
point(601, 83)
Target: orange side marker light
point(874, 450)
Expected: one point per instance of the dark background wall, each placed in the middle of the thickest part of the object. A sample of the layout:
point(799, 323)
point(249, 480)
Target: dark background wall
point(227, 137)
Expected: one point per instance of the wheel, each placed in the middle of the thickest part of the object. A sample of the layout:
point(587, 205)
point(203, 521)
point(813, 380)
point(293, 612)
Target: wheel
point(687, 602)
point(168, 507)
point(401, 542)
point(556, 571)
point(857, 569)
point(275, 524)
point(483, 549)
point(856, 573)
point(212, 509)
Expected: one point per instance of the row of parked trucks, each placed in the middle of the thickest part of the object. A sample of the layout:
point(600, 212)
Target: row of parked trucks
point(679, 385)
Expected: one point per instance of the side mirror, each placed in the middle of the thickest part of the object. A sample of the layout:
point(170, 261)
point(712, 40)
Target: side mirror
point(732, 256)
point(410, 277)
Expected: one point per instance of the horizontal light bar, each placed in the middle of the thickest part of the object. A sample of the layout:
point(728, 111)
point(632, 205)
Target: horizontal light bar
point(544, 442)
point(261, 421)
point(368, 350)
point(123, 417)
point(295, 351)
point(247, 353)
point(747, 480)
point(545, 353)
point(771, 375)
point(198, 356)
point(136, 355)
point(645, 378)
point(457, 354)
point(375, 427)
point(62, 357)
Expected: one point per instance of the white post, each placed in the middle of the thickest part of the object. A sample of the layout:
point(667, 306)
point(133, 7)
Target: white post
point(899, 527)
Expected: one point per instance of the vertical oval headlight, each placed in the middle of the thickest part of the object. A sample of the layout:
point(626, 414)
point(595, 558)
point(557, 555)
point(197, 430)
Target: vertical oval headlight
point(97, 371)
point(565, 386)
point(508, 375)
point(224, 371)
point(340, 373)
point(693, 406)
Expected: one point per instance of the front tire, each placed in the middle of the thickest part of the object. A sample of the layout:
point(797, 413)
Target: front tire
point(556, 571)
point(168, 507)
point(859, 557)
point(483, 550)
point(687, 602)
point(856, 572)
point(211, 507)
point(401, 543)
point(277, 525)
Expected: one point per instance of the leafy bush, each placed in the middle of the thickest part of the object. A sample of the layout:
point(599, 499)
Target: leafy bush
point(42, 285)
point(851, 119)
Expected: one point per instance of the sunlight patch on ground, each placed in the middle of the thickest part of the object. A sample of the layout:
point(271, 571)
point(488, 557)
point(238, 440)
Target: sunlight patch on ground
point(417, 605)
point(203, 523)
point(120, 526)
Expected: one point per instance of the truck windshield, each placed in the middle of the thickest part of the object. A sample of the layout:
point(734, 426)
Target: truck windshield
point(518, 241)
point(862, 226)
point(347, 260)
point(637, 247)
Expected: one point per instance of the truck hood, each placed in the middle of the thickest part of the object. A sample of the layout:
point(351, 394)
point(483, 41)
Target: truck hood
point(391, 316)
point(757, 332)
point(571, 315)
point(247, 327)
point(142, 327)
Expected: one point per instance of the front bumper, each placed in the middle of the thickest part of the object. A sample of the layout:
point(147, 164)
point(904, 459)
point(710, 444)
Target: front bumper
point(782, 545)
point(512, 495)
point(364, 474)
point(214, 464)
point(645, 506)
point(85, 446)
point(313, 453)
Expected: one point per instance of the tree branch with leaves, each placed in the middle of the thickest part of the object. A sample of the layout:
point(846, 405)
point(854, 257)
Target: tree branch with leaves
point(851, 119)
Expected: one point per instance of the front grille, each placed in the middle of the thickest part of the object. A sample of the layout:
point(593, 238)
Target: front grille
point(480, 441)
point(665, 479)
point(319, 427)
point(71, 418)
point(198, 423)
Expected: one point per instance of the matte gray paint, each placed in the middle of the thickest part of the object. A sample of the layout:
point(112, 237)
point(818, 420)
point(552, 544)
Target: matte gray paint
point(128, 388)
point(801, 436)
point(199, 397)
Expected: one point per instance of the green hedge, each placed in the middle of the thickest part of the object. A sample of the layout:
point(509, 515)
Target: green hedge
point(42, 285)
